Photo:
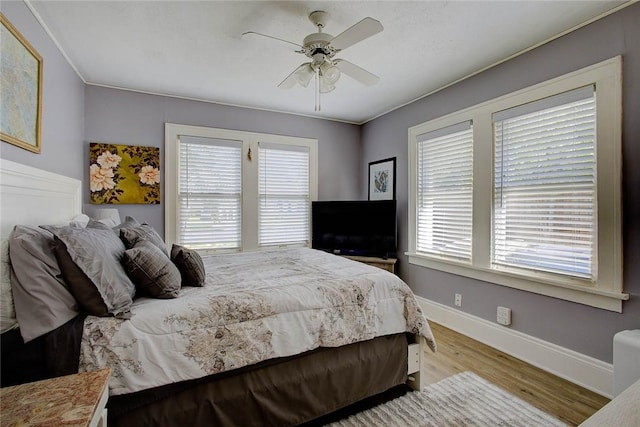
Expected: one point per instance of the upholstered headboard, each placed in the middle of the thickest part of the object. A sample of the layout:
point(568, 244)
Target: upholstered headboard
point(32, 196)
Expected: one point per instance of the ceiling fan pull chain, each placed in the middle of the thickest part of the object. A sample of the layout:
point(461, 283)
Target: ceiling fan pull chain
point(317, 88)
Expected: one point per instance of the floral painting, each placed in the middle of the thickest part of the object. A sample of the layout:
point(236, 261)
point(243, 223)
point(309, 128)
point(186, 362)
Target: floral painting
point(124, 174)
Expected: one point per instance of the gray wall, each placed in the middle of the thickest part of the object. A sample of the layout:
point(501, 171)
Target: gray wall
point(62, 129)
point(584, 329)
point(122, 117)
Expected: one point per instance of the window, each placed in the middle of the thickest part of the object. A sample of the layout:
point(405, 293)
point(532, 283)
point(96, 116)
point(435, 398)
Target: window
point(284, 195)
point(545, 185)
point(229, 190)
point(524, 190)
point(445, 192)
point(210, 193)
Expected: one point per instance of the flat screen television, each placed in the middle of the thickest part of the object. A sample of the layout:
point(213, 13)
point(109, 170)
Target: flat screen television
point(359, 227)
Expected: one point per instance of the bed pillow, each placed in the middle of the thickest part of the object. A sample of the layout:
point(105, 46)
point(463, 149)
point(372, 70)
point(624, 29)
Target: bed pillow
point(80, 220)
point(128, 222)
point(42, 300)
point(80, 285)
point(131, 236)
point(89, 259)
point(151, 271)
point(190, 264)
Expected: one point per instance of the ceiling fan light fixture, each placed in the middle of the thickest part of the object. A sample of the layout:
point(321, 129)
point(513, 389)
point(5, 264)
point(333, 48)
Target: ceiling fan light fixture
point(330, 72)
point(303, 74)
point(325, 86)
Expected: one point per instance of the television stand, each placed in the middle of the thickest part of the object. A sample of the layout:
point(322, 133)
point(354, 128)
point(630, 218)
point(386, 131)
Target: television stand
point(388, 264)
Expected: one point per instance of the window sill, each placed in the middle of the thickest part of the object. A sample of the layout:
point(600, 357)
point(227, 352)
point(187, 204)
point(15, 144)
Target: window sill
point(591, 296)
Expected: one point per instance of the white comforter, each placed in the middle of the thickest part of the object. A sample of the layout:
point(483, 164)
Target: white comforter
point(254, 306)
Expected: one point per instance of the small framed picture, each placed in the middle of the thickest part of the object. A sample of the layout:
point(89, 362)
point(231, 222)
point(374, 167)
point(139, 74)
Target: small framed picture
point(382, 179)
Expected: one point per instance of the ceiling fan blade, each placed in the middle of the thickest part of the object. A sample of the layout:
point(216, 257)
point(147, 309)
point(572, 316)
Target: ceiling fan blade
point(289, 82)
point(356, 73)
point(253, 33)
point(356, 33)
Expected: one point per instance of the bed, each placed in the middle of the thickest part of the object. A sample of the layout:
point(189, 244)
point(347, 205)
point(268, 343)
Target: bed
point(276, 337)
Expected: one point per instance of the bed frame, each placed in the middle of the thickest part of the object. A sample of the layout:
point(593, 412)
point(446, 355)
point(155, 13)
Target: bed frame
point(32, 196)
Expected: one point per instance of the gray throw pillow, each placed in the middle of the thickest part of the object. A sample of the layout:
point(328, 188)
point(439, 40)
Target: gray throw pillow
point(190, 264)
point(131, 236)
point(41, 298)
point(151, 271)
point(94, 253)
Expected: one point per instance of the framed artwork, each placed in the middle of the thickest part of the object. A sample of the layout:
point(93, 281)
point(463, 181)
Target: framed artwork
point(382, 179)
point(20, 89)
point(124, 174)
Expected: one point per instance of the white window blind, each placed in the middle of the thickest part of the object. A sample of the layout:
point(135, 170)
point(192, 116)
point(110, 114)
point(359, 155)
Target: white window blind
point(545, 185)
point(209, 193)
point(445, 192)
point(284, 205)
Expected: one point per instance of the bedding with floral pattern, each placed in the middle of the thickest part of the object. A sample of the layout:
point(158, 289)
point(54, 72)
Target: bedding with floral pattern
point(254, 306)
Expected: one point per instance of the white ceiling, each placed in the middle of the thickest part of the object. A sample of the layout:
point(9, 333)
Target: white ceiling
point(195, 49)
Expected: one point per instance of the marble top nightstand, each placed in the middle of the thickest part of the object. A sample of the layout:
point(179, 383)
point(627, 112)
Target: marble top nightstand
point(72, 400)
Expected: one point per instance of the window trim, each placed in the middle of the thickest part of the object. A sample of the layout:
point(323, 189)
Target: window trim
point(250, 197)
point(607, 292)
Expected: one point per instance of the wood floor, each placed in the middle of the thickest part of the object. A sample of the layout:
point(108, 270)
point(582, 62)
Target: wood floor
point(556, 396)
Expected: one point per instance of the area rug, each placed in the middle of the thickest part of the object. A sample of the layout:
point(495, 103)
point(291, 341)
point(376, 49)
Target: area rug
point(462, 400)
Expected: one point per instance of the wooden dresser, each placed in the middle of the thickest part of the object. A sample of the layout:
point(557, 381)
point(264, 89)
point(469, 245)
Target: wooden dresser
point(388, 264)
point(73, 400)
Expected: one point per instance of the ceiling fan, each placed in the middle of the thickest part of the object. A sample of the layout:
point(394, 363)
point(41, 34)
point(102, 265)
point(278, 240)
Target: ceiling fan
point(321, 48)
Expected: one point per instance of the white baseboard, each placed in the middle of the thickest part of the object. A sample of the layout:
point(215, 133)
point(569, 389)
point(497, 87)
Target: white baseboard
point(580, 369)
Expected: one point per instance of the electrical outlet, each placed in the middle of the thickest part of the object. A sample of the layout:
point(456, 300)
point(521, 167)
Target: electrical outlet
point(504, 316)
point(458, 300)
